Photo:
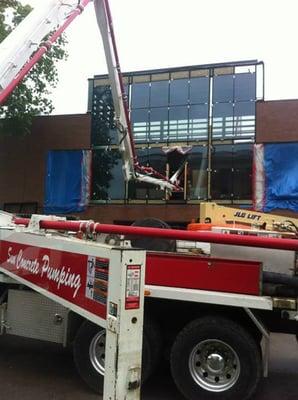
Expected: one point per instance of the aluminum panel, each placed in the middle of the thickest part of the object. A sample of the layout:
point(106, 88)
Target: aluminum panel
point(280, 261)
point(34, 316)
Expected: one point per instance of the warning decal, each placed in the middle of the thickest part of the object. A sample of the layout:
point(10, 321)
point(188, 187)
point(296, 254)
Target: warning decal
point(133, 281)
point(97, 279)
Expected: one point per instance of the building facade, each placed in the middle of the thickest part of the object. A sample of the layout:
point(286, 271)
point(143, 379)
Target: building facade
point(203, 116)
point(210, 115)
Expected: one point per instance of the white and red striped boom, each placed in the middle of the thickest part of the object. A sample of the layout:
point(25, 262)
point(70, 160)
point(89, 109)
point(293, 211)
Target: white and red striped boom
point(24, 47)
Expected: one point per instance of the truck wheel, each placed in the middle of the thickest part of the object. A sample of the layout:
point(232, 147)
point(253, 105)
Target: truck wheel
point(89, 353)
point(214, 358)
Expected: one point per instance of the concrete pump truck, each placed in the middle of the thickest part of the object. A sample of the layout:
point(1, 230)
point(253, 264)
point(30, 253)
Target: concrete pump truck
point(209, 316)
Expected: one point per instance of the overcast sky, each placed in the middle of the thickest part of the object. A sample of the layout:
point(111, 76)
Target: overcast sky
point(169, 33)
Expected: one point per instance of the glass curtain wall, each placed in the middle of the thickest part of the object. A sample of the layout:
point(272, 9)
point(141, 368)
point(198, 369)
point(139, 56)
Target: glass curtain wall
point(233, 104)
point(107, 178)
point(231, 177)
point(209, 110)
point(170, 108)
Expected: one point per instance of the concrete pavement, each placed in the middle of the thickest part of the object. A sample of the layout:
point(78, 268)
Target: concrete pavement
point(32, 370)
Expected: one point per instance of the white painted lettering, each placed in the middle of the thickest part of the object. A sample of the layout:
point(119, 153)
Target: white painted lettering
point(63, 277)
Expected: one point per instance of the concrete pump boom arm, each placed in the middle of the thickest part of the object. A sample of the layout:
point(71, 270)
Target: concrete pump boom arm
point(24, 47)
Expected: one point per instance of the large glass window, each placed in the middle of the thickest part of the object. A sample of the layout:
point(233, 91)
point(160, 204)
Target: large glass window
point(157, 160)
point(242, 167)
point(158, 107)
point(199, 90)
point(198, 122)
point(140, 95)
point(103, 130)
point(107, 176)
point(138, 190)
point(222, 172)
point(180, 107)
point(244, 119)
point(223, 88)
point(140, 124)
point(197, 179)
point(159, 94)
point(231, 172)
point(245, 87)
point(223, 120)
point(178, 124)
point(234, 99)
point(179, 92)
point(159, 125)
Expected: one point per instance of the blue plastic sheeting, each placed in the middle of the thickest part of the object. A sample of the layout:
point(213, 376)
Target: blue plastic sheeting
point(67, 181)
point(281, 176)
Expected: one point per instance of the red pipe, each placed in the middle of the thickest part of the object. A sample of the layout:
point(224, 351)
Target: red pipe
point(21, 221)
point(41, 51)
point(211, 237)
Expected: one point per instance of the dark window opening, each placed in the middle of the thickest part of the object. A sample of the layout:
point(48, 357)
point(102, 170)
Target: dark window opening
point(108, 180)
point(222, 174)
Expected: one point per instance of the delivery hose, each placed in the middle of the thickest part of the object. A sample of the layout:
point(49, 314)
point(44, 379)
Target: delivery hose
point(280, 279)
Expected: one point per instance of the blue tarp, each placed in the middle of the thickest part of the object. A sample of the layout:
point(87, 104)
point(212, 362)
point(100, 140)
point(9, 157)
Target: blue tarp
point(281, 176)
point(67, 181)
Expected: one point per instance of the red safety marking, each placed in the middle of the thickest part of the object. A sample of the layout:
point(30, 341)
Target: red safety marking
point(193, 272)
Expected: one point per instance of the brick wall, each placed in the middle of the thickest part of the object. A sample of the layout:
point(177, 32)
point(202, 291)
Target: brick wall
point(23, 158)
point(277, 121)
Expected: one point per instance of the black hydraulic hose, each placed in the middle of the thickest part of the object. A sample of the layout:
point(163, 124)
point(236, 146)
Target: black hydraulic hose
point(271, 289)
point(280, 279)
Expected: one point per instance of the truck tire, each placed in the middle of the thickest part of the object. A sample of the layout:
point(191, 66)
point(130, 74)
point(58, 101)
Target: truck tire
point(150, 243)
point(89, 352)
point(214, 358)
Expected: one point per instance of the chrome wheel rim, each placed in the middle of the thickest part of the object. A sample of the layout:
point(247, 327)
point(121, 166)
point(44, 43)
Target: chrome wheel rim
point(97, 352)
point(214, 365)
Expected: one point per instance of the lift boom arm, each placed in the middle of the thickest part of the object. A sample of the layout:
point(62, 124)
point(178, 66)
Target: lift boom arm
point(216, 214)
point(23, 48)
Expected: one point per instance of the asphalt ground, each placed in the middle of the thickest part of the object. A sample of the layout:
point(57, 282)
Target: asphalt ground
point(31, 370)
